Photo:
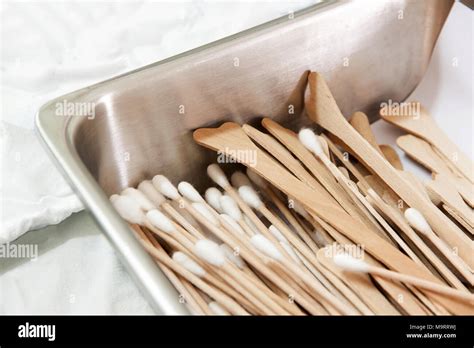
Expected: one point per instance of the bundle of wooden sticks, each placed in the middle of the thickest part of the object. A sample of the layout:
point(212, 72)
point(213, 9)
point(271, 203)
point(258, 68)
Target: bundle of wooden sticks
point(309, 230)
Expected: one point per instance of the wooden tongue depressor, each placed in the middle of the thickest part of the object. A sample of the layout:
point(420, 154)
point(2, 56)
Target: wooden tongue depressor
point(422, 125)
point(322, 109)
point(360, 284)
point(441, 186)
point(391, 155)
point(423, 153)
point(231, 140)
point(361, 124)
point(284, 156)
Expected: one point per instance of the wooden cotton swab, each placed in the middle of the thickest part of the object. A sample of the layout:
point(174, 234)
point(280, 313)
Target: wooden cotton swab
point(191, 296)
point(252, 260)
point(155, 218)
point(216, 258)
point(160, 255)
point(323, 109)
point(198, 209)
point(218, 176)
point(399, 221)
point(352, 264)
point(418, 221)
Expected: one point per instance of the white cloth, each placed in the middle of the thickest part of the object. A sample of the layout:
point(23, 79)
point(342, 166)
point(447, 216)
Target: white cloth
point(33, 192)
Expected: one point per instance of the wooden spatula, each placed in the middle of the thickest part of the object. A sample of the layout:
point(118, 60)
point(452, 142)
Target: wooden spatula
point(425, 127)
point(322, 109)
point(231, 140)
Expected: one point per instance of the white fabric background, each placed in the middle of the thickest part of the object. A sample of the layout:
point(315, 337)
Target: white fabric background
point(50, 49)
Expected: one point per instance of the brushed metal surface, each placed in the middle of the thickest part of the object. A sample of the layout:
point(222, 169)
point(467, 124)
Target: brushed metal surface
point(368, 51)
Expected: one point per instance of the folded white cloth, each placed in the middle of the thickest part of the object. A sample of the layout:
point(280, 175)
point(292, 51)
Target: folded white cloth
point(33, 193)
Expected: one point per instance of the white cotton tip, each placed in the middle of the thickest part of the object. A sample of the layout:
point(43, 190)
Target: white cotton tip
point(216, 309)
point(277, 234)
point(250, 196)
point(210, 252)
point(213, 196)
point(350, 263)
point(217, 175)
point(256, 179)
point(233, 224)
point(265, 246)
point(151, 193)
point(230, 207)
point(231, 256)
point(113, 198)
point(310, 141)
point(188, 263)
point(139, 197)
point(251, 224)
point(165, 187)
point(239, 179)
point(129, 209)
point(204, 211)
point(291, 252)
point(298, 207)
point(417, 220)
point(189, 192)
point(160, 221)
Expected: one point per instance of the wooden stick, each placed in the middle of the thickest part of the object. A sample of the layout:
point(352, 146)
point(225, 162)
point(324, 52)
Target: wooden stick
point(232, 306)
point(327, 114)
point(195, 302)
point(230, 139)
point(423, 126)
point(423, 284)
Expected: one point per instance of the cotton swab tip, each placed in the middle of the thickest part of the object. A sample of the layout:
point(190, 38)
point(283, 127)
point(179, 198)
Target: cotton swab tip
point(230, 207)
point(188, 263)
point(113, 198)
point(188, 191)
point(205, 212)
point(160, 221)
point(210, 252)
point(231, 256)
point(129, 209)
point(151, 193)
point(310, 141)
point(265, 246)
point(350, 263)
point(250, 196)
point(213, 196)
point(165, 187)
point(417, 220)
point(139, 197)
point(239, 179)
point(217, 175)
point(277, 234)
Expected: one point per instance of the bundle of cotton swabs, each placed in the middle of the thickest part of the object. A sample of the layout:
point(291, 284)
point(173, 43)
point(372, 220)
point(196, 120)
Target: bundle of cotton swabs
point(244, 247)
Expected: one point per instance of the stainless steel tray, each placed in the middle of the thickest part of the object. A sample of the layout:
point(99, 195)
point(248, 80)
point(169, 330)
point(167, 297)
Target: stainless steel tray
point(369, 51)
